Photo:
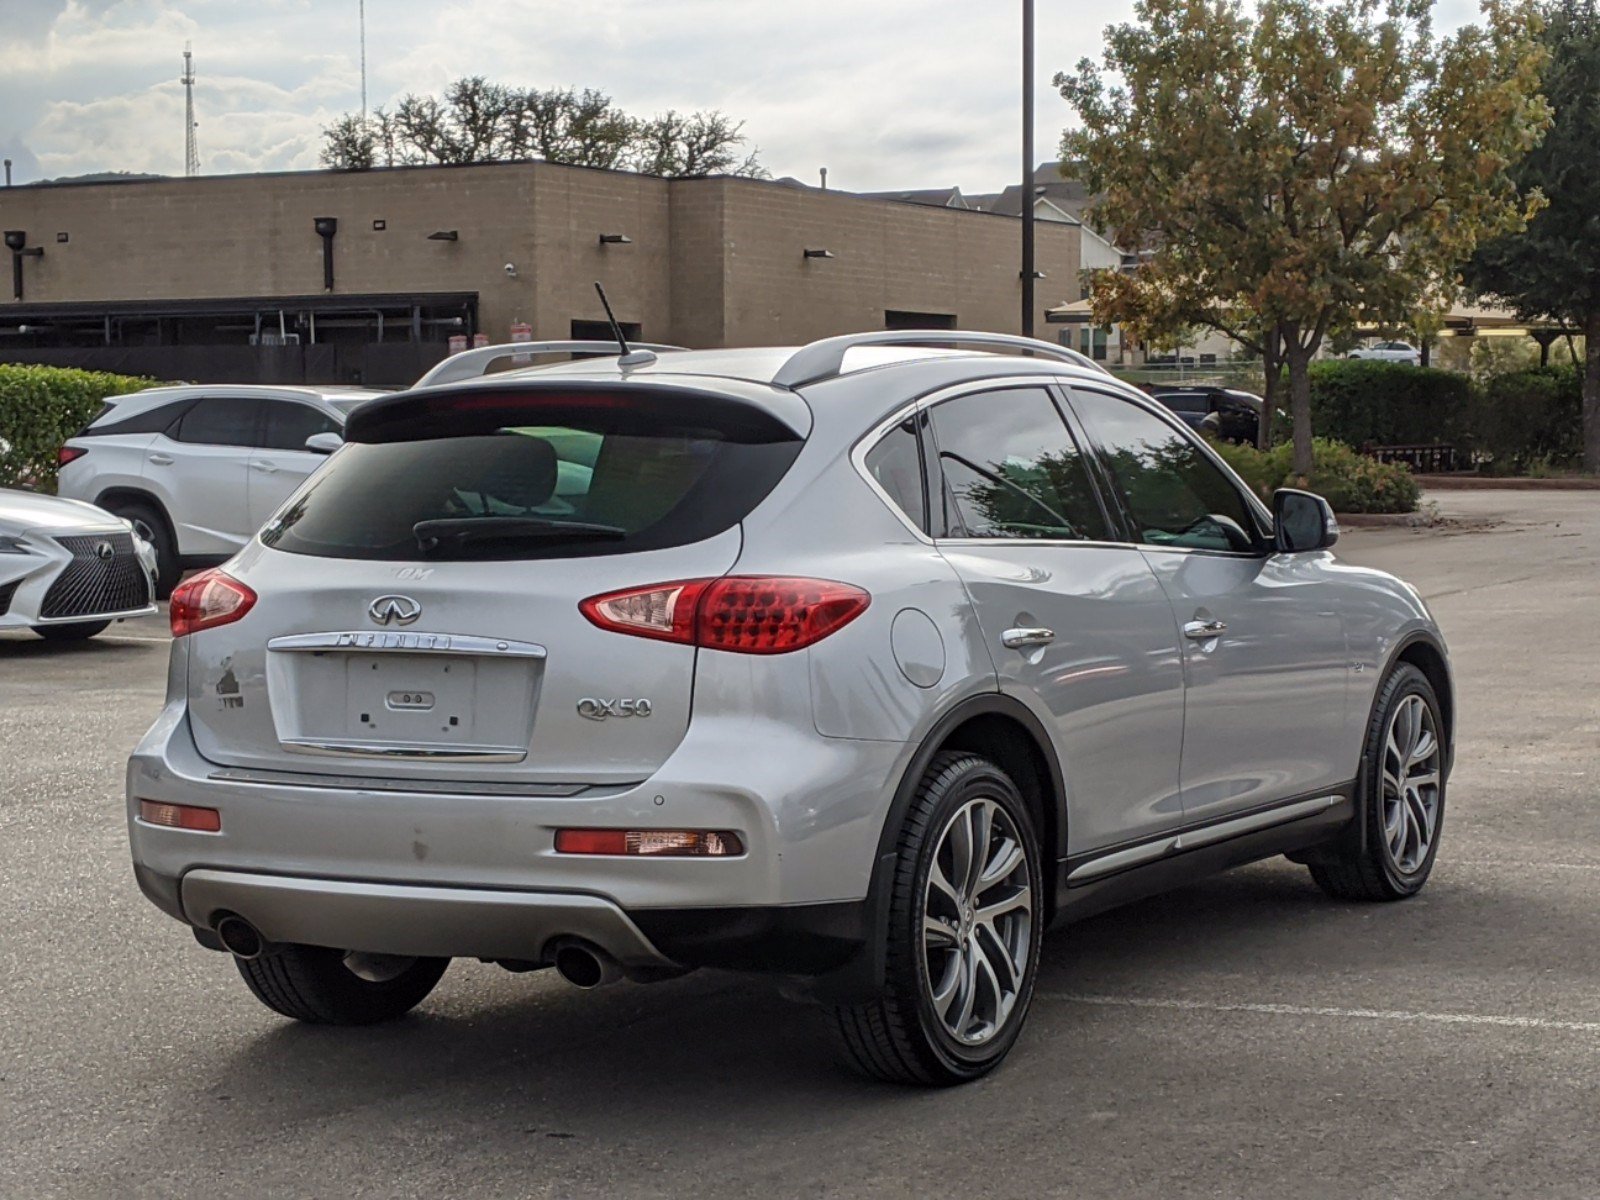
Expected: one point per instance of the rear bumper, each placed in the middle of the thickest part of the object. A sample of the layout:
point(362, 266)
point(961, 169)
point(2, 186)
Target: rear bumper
point(469, 874)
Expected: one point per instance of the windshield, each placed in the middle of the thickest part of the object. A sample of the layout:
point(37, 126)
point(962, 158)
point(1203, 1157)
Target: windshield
point(535, 491)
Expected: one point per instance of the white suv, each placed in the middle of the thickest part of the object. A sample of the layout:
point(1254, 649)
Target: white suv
point(198, 469)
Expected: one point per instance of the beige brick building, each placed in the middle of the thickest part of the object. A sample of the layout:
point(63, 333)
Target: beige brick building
point(137, 274)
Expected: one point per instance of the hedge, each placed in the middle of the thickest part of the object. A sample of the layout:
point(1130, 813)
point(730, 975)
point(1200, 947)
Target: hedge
point(1530, 420)
point(41, 407)
point(1350, 481)
point(1361, 402)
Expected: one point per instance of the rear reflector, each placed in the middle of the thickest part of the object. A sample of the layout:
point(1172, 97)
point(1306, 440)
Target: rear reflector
point(69, 454)
point(653, 843)
point(207, 600)
point(748, 614)
point(180, 816)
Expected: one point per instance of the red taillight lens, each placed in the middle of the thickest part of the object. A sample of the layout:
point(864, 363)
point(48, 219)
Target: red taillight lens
point(69, 454)
point(650, 843)
point(769, 614)
point(748, 614)
point(207, 600)
point(181, 816)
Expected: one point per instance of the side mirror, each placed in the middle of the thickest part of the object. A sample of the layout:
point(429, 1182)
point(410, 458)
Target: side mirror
point(1302, 521)
point(324, 443)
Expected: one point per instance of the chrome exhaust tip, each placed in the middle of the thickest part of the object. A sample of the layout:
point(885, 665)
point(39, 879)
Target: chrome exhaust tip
point(242, 939)
point(585, 966)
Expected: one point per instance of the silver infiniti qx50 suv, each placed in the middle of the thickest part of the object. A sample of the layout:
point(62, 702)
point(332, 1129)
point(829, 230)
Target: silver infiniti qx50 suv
point(858, 665)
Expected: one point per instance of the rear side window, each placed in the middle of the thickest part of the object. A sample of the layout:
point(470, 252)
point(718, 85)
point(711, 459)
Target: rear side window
point(221, 421)
point(895, 464)
point(1012, 470)
point(289, 424)
point(152, 420)
point(589, 478)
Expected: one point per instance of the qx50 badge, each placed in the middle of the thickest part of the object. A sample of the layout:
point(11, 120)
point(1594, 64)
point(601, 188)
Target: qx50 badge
point(599, 710)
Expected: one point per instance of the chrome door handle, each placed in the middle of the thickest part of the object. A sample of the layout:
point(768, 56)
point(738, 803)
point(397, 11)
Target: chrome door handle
point(265, 468)
point(161, 460)
point(1204, 631)
point(1017, 639)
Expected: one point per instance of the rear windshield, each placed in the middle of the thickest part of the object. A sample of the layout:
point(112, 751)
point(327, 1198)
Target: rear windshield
point(580, 487)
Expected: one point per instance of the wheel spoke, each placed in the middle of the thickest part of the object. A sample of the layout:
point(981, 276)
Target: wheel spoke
point(969, 989)
point(1428, 779)
point(1395, 828)
point(985, 978)
point(940, 884)
point(1019, 898)
point(1422, 819)
point(982, 827)
point(960, 841)
point(1005, 860)
point(936, 935)
point(1424, 749)
point(949, 982)
point(999, 958)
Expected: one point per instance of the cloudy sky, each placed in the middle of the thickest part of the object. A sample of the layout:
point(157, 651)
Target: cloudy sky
point(885, 93)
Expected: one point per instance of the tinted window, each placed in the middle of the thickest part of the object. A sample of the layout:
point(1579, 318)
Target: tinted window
point(896, 464)
point(289, 424)
point(220, 421)
point(1012, 470)
point(1192, 402)
point(1173, 493)
point(154, 420)
point(605, 481)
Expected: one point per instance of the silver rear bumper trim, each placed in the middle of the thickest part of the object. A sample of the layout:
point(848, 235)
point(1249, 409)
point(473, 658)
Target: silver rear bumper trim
point(433, 922)
point(372, 641)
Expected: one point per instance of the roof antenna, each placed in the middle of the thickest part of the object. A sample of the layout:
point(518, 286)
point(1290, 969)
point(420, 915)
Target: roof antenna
point(628, 358)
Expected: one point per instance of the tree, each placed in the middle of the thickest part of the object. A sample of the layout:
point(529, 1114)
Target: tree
point(1301, 165)
point(479, 121)
point(1552, 268)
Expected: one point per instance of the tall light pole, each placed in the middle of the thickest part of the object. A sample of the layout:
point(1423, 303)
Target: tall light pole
point(1027, 169)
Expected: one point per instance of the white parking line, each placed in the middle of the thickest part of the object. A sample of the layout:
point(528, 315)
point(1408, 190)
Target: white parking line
point(1305, 1010)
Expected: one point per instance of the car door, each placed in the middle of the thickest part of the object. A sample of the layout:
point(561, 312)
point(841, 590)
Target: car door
point(202, 465)
point(1265, 662)
point(281, 462)
point(1077, 625)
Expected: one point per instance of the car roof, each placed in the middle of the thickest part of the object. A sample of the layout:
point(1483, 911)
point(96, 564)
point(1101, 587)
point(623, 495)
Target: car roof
point(131, 404)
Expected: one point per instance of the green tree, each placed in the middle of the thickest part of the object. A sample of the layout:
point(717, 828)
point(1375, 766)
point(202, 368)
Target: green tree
point(1552, 268)
point(478, 121)
point(1301, 164)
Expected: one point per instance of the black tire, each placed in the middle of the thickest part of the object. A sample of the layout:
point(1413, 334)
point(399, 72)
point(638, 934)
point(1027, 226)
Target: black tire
point(1364, 868)
point(78, 631)
point(151, 524)
point(313, 984)
point(898, 1037)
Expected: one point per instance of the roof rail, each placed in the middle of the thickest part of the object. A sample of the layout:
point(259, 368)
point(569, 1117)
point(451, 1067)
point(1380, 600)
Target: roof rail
point(825, 359)
point(470, 364)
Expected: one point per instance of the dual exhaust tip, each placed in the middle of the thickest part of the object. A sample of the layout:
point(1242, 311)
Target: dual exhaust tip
point(582, 964)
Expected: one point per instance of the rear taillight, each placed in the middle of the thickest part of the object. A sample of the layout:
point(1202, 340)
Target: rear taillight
point(69, 454)
point(207, 600)
point(748, 614)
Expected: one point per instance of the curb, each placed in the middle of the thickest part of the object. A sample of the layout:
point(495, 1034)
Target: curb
point(1513, 483)
point(1411, 520)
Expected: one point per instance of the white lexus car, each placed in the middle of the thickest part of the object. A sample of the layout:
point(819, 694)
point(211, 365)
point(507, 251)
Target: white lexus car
point(198, 468)
point(1395, 352)
point(68, 569)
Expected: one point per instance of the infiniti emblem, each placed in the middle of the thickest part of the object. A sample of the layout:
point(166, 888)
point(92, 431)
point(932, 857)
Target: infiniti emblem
point(394, 610)
point(104, 550)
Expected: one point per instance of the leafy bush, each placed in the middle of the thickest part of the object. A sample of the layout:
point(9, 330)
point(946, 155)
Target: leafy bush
point(1530, 421)
point(41, 407)
point(1360, 402)
point(1350, 481)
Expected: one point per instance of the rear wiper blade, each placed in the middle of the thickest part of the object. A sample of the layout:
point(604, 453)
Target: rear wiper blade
point(459, 530)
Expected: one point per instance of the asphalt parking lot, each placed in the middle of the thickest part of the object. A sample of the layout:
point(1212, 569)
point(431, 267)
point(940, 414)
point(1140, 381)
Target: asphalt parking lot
point(1246, 1037)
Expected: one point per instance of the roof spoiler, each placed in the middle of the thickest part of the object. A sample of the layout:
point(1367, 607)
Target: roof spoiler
point(470, 364)
point(825, 359)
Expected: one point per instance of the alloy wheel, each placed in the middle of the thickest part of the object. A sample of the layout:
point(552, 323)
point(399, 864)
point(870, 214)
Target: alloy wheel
point(1411, 762)
point(977, 922)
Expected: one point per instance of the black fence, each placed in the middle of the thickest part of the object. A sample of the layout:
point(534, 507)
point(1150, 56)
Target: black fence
point(1435, 459)
point(391, 364)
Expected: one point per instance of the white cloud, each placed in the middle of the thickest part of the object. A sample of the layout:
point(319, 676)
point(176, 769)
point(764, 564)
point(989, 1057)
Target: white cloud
point(885, 93)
